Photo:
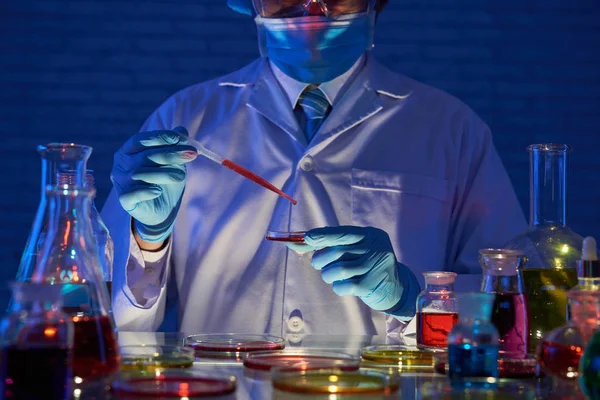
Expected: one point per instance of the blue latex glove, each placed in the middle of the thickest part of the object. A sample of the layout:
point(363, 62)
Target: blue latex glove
point(360, 261)
point(149, 176)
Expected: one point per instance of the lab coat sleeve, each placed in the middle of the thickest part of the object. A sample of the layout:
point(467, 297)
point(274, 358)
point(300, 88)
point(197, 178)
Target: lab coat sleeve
point(138, 297)
point(486, 212)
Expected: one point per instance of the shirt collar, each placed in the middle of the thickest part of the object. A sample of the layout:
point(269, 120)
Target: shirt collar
point(333, 89)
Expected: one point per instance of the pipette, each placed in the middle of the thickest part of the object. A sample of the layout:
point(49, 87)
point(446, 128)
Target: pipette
point(203, 151)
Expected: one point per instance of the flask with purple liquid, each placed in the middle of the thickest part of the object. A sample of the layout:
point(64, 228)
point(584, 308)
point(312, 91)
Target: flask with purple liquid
point(502, 277)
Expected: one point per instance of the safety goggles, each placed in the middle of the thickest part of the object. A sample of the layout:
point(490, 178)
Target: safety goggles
point(302, 8)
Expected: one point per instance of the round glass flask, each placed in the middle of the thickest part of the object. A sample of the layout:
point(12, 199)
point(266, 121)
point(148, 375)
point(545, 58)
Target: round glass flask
point(70, 261)
point(551, 248)
point(437, 310)
point(37, 340)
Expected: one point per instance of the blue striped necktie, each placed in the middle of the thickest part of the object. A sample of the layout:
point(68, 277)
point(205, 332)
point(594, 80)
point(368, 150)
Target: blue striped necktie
point(314, 106)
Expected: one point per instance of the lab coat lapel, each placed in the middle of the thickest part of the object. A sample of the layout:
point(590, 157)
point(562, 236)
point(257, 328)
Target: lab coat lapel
point(268, 99)
point(359, 103)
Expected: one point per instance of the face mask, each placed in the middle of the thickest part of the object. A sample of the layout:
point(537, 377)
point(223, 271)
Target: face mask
point(315, 49)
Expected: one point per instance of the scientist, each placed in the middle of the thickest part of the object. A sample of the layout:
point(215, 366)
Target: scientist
point(392, 177)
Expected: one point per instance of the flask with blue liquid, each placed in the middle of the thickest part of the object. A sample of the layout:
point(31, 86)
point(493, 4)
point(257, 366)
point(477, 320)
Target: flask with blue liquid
point(473, 343)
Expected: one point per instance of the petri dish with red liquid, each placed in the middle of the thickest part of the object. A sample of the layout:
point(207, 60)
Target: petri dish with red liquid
point(332, 381)
point(300, 360)
point(231, 345)
point(399, 356)
point(291, 237)
point(173, 386)
point(509, 368)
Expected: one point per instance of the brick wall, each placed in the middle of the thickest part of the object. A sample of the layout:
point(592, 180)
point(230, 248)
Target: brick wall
point(92, 71)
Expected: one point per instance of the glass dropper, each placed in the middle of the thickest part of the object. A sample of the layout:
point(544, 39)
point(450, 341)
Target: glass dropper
point(203, 151)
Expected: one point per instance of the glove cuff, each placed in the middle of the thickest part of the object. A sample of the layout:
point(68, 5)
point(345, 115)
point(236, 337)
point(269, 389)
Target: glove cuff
point(406, 306)
point(155, 233)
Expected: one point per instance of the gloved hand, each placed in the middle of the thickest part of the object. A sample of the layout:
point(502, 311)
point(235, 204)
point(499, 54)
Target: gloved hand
point(149, 176)
point(360, 261)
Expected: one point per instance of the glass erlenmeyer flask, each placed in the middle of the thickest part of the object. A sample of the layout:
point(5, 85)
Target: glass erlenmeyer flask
point(551, 248)
point(70, 259)
point(104, 242)
point(502, 277)
point(56, 157)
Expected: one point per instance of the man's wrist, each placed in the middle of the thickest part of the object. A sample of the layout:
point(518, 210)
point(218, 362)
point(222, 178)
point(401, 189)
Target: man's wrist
point(145, 245)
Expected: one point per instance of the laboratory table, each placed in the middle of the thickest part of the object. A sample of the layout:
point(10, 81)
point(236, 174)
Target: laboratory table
point(251, 387)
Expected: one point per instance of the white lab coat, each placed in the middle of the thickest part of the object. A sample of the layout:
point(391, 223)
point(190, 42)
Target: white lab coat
point(393, 153)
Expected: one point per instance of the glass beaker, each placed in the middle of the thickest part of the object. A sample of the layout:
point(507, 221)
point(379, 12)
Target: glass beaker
point(56, 157)
point(502, 277)
point(37, 340)
point(473, 343)
point(436, 310)
point(560, 350)
point(104, 242)
point(70, 259)
point(551, 248)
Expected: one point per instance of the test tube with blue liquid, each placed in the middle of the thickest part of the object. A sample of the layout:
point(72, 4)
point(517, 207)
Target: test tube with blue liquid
point(473, 343)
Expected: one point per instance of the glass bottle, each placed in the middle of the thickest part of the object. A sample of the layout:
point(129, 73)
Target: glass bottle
point(70, 259)
point(473, 343)
point(502, 277)
point(37, 340)
point(436, 310)
point(589, 368)
point(551, 248)
point(56, 158)
point(104, 242)
point(588, 268)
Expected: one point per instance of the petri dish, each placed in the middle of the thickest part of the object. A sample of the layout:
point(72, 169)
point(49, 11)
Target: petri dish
point(511, 368)
point(152, 357)
point(172, 386)
point(231, 345)
point(334, 381)
point(278, 236)
point(300, 360)
point(399, 356)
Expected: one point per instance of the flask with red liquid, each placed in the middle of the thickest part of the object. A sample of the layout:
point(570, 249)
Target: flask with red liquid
point(70, 260)
point(437, 310)
point(560, 351)
point(37, 340)
point(502, 277)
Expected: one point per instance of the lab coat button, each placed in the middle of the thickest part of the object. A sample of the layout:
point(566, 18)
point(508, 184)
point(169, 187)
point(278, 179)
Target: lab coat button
point(307, 164)
point(295, 324)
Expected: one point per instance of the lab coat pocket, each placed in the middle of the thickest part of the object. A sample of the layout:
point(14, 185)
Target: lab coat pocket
point(413, 209)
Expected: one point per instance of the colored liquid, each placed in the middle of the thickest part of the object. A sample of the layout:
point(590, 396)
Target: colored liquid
point(433, 328)
point(34, 374)
point(466, 362)
point(590, 369)
point(546, 291)
point(560, 360)
point(265, 363)
point(174, 387)
point(95, 349)
point(402, 358)
point(255, 178)
point(337, 384)
point(160, 362)
point(293, 239)
point(509, 315)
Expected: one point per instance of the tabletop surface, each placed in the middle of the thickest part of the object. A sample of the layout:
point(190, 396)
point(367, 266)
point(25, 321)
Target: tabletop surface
point(413, 385)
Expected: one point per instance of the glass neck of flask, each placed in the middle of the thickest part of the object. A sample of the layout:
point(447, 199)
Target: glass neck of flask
point(436, 287)
point(67, 158)
point(548, 184)
point(502, 283)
